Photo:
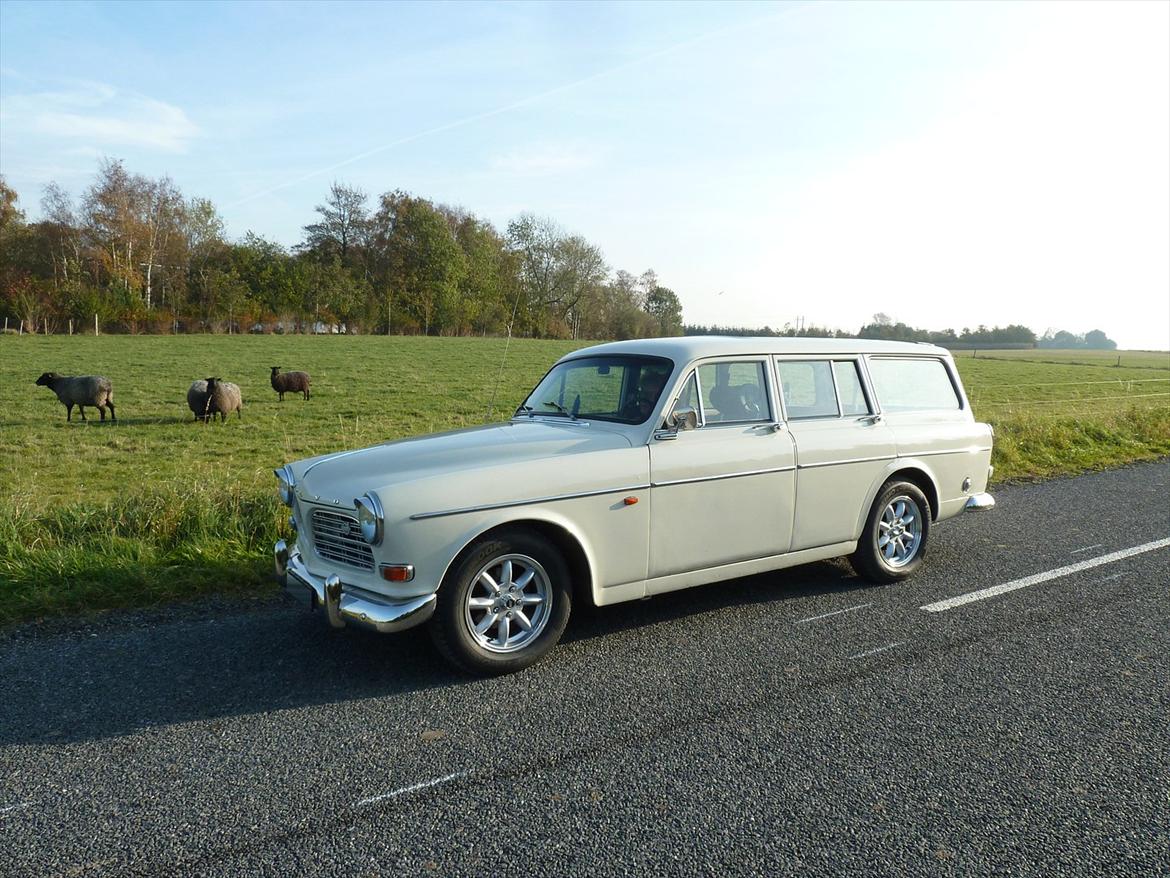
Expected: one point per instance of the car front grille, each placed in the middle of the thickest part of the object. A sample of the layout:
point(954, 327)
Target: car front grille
point(338, 537)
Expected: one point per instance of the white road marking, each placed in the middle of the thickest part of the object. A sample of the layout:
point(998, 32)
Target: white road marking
point(1037, 578)
point(414, 788)
point(15, 807)
point(1087, 549)
point(834, 613)
point(870, 652)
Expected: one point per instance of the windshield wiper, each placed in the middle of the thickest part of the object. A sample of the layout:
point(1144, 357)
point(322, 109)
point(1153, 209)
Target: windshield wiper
point(527, 409)
point(560, 408)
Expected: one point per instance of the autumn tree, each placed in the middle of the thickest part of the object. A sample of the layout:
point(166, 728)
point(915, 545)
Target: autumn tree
point(344, 224)
point(556, 270)
point(665, 309)
point(10, 213)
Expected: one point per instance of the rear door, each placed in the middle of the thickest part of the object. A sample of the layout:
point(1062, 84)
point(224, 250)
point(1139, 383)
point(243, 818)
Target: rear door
point(842, 445)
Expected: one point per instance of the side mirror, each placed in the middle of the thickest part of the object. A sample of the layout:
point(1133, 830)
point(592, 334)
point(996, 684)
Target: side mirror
point(683, 419)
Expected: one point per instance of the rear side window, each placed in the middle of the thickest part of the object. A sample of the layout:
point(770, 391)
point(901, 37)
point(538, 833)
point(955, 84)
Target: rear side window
point(808, 389)
point(912, 385)
point(849, 386)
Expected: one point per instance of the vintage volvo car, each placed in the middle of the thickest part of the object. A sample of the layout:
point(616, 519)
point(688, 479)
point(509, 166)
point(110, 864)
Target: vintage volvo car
point(637, 468)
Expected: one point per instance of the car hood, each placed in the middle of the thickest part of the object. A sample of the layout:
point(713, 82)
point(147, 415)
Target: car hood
point(347, 474)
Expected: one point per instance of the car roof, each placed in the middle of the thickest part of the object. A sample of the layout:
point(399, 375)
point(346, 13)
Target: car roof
point(683, 349)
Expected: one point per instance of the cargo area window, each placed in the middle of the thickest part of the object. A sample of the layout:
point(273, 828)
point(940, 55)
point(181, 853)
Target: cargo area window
point(911, 385)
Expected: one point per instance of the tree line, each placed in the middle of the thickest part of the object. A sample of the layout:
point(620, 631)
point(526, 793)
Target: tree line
point(882, 326)
point(142, 257)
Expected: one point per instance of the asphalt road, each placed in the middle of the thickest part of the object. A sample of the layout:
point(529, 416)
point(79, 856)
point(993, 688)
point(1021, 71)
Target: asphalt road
point(736, 729)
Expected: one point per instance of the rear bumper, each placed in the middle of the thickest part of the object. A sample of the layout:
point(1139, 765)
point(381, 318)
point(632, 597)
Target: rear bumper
point(979, 502)
point(346, 605)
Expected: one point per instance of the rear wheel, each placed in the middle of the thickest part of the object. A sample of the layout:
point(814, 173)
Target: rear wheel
point(893, 544)
point(504, 606)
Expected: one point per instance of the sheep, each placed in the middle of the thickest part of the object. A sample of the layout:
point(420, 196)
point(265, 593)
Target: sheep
point(198, 398)
point(223, 397)
point(80, 391)
point(290, 382)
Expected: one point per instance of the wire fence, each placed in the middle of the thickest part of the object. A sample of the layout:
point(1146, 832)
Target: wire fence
point(1135, 391)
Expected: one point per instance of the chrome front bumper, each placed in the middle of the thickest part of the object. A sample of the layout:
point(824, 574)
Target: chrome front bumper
point(978, 502)
point(346, 605)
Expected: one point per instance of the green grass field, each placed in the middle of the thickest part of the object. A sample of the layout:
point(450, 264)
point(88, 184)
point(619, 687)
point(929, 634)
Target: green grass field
point(159, 508)
point(1122, 359)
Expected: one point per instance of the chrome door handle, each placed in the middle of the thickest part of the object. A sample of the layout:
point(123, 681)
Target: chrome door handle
point(871, 419)
point(771, 428)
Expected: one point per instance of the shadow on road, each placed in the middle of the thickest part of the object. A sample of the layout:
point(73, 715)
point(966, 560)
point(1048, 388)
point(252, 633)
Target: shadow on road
point(115, 679)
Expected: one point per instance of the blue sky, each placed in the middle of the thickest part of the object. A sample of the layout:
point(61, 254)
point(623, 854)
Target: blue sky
point(947, 164)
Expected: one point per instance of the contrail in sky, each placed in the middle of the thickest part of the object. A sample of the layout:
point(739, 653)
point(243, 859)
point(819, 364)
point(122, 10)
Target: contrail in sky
point(523, 102)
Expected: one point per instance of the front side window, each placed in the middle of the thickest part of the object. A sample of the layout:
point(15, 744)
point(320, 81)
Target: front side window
point(688, 397)
point(624, 389)
point(912, 385)
point(734, 392)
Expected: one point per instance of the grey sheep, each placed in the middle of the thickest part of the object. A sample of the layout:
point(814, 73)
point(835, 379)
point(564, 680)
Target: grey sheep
point(223, 397)
point(197, 399)
point(80, 391)
point(290, 382)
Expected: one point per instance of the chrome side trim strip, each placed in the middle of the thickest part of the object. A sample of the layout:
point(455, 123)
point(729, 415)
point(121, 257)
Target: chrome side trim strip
point(484, 507)
point(842, 462)
point(972, 450)
point(754, 472)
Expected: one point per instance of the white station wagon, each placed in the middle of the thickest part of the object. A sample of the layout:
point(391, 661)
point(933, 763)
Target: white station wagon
point(637, 468)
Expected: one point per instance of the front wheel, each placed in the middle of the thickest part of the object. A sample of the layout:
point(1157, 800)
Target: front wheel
point(893, 544)
point(504, 605)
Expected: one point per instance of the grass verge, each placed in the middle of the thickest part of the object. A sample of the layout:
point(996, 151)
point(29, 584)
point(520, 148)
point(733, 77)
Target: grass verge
point(164, 544)
point(1031, 446)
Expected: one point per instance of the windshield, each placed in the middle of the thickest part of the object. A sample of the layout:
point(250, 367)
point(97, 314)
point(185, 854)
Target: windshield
point(614, 388)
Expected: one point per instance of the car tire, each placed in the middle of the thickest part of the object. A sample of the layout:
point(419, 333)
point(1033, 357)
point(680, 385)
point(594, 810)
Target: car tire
point(503, 605)
point(894, 540)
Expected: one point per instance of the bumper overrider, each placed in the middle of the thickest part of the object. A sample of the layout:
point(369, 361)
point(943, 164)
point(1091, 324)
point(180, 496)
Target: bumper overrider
point(979, 502)
point(344, 604)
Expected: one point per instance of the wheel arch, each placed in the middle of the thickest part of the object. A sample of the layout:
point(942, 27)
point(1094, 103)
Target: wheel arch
point(567, 542)
point(914, 473)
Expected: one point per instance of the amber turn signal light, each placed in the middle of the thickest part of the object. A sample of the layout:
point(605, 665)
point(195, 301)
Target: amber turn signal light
point(630, 501)
point(398, 572)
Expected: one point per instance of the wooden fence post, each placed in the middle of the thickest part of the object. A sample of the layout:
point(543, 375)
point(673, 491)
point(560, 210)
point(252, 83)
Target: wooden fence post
point(71, 326)
point(95, 324)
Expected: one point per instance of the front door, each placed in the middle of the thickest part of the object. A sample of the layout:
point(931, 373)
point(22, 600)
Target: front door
point(722, 492)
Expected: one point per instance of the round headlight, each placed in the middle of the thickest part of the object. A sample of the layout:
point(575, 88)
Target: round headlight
point(285, 477)
point(370, 517)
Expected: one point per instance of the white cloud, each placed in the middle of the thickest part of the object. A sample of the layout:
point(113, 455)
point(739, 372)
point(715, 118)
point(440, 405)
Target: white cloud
point(93, 114)
point(545, 160)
